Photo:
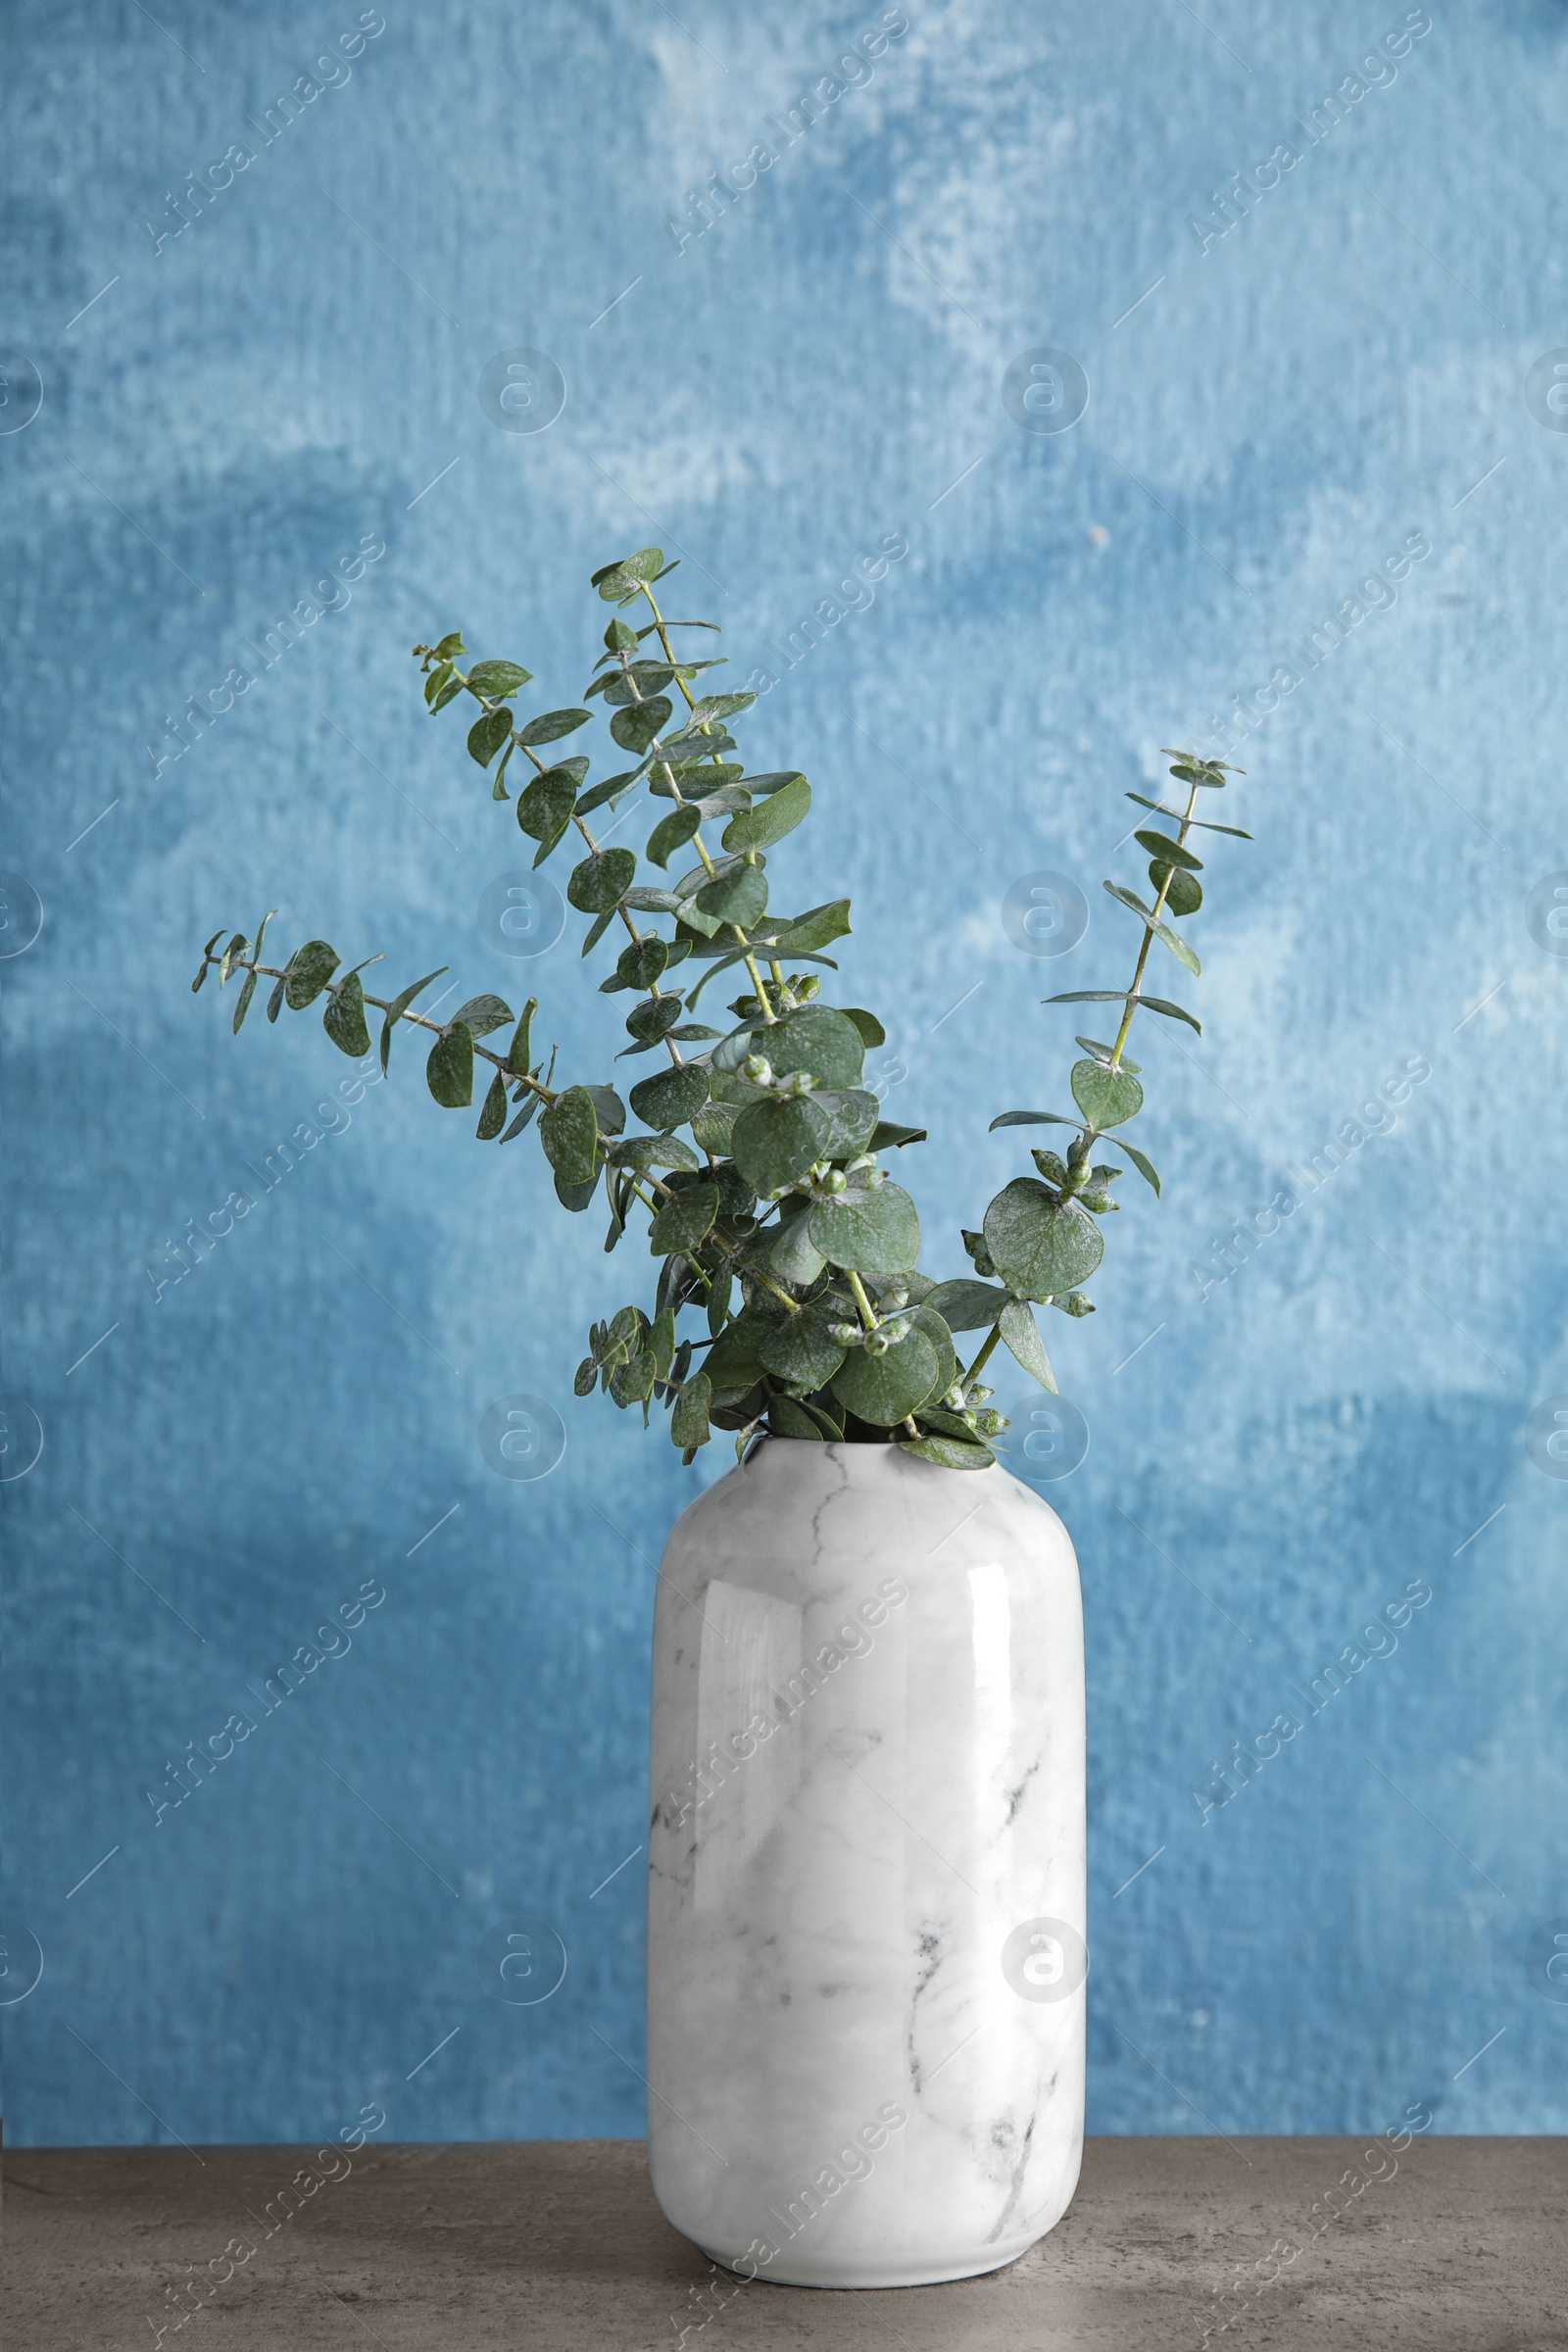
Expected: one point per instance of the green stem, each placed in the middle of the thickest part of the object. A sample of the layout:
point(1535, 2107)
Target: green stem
point(1149, 937)
point(866, 1309)
point(983, 1358)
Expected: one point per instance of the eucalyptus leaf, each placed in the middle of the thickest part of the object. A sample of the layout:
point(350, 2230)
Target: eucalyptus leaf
point(449, 1071)
point(244, 1005)
point(738, 897)
point(779, 813)
point(1105, 1097)
point(551, 725)
point(518, 1065)
point(968, 1306)
point(487, 734)
point(596, 883)
point(818, 927)
point(670, 1097)
point(484, 1014)
point(493, 678)
point(635, 725)
point(1021, 1334)
point(888, 1135)
point(1037, 1247)
point(1166, 852)
point(344, 1018)
point(820, 1040)
point(684, 1219)
point(799, 1349)
point(793, 1256)
point(870, 1028)
point(875, 1231)
point(775, 1141)
point(309, 970)
point(887, 1389)
point(493, 1114)
point(569, 1130)
point(688, 1423)
point(544, 807)
point(1146, 1167)
point(673, 832)
point(948, 1453)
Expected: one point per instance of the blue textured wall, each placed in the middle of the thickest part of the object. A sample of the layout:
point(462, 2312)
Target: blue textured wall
point(1289, 403)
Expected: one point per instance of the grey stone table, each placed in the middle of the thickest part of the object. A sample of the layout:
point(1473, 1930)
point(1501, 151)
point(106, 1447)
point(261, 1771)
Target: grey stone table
point(558, 2246)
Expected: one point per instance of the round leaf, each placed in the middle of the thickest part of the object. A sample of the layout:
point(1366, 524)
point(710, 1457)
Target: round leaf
point(670, 1097)
point(1105, 1097)
point(596, 884)
point(635, 725)
point(799, 1349)
point(775, 1141)
point(671, 831)
point(872, 1232)
point(1038, 1248)
point(310, 968)
point(498, 677)
point(739, 897)
point(487, 734)
point(344, 1018)
point(885, 1388)
point(819, 1040)
point(683, 1220)
point(854, 1113)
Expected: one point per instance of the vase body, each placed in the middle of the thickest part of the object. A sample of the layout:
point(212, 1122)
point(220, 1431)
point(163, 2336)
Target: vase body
point(865, 1957)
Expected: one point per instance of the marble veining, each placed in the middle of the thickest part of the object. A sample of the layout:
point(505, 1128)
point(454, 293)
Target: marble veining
point(867, 1869)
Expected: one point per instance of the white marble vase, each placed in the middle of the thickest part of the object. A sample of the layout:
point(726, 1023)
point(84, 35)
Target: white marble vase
point(866, 1921)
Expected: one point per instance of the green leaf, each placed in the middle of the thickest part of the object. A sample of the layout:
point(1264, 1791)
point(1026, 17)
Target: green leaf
point(1162, 931)
point(670, 1097)
point(775, 1141)
point(818, 927)
point(758, 828)
point(793, 1254)
point(597, 929)
point(344, 1018)
point(798, 1349)
point(935, 1328)
point(522, 1118)
point(450, 644)
point(876, 1231)
point(596, 884)
point(570, 1133)
point(398, 1008)
point(1021, 1334)
point(1172, 1013)
point(1146, 1167)
point(712, 1126)
point(493, 1117)
point(1037, 1248)
point(1091, 996)
point(552, 724)
point(651, 1151)
point(854, 1113)
point(1166, 852)
point(718, 705)
point(1105, 1097)
point(484, 1014)
point(274, 1006)
point(517, 1061)
point(544, 807)
point(738, 897)
point(967, 1305)
point(820, 1040)
point(576, 1197)
point(949, 1454)
point(652, 1016)
point(617, 584)
point(870, 1028)
point(775, 780)
point(671, 831)
point(788, 1419)
point(1184, 892)
point(635, 725)
point(449, 1072)
point(494, 678)
point(608, 1109)
point(244, 1005)
point(1031, 1118)
point(688, 1423)
point(310, 968)
point(888, 1135)
point(487, 734)
point(887, 1389)
point(684, 1220)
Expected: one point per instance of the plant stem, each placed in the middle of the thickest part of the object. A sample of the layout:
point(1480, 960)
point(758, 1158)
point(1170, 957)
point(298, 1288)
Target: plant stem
point(866, 1309)
point(983, 1358)
point(1148, 935)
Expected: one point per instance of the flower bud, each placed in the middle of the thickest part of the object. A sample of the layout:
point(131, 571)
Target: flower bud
point(757, 1068)
point(799, 1082)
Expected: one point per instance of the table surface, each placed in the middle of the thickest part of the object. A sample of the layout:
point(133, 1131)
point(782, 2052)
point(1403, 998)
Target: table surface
point(558, 2246)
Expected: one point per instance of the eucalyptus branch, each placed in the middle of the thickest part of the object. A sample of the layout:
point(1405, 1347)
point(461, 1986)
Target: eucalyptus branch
point(776, 1221)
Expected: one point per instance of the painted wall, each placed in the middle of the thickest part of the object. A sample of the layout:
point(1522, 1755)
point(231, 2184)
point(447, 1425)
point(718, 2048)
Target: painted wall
point(1289, 1427)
